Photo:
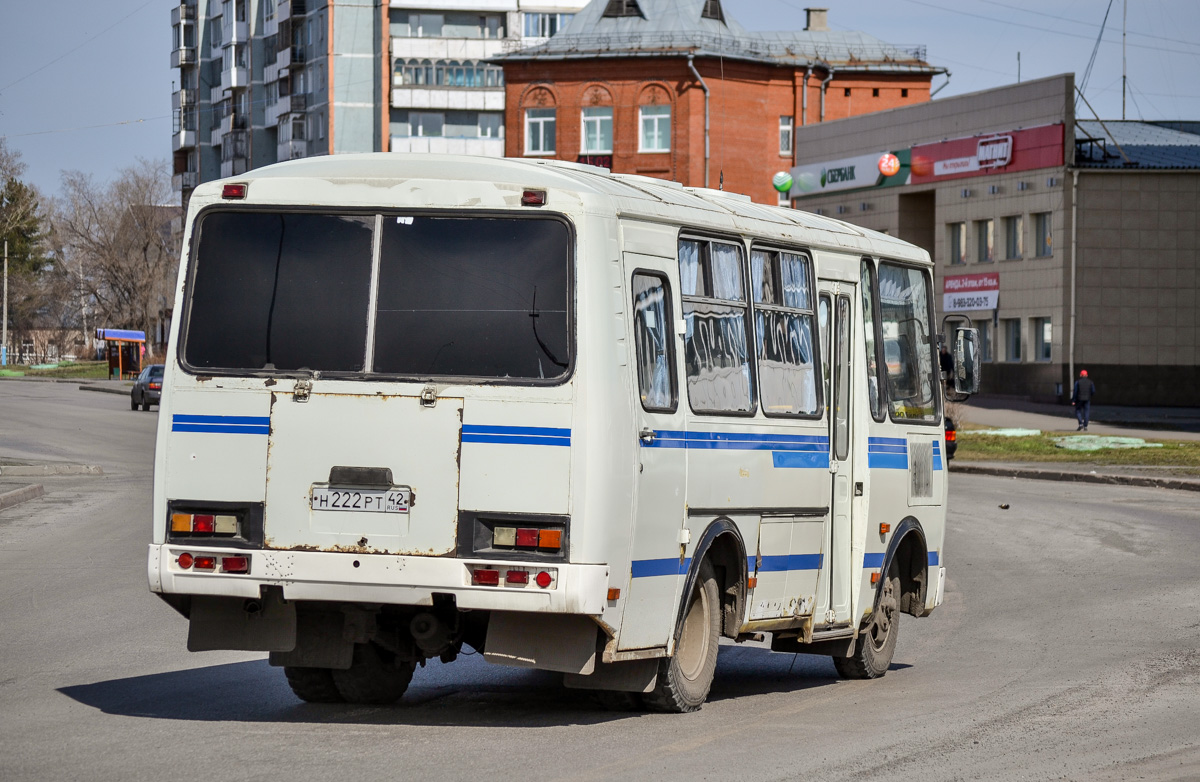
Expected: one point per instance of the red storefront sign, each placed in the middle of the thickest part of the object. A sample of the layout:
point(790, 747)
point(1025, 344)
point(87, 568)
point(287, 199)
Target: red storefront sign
point(992, 153)
point(969, 292)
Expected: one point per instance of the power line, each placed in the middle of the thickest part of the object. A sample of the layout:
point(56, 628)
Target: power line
point(1086, 24)
point(1041, 29)
point(77, 48)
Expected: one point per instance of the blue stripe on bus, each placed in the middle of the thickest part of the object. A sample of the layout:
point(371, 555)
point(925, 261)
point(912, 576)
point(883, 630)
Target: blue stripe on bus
point(792, 460)
point(672, 566)
point(887, 441)
point(888, 461)
point(516, 435)
point(209, 429)
point(246, 420)
point(886, 449)
point(873, 560)
point(785, 562)
point(933, 558)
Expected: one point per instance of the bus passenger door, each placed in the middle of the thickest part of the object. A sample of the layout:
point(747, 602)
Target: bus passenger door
point(657, 564)
point(837, 321)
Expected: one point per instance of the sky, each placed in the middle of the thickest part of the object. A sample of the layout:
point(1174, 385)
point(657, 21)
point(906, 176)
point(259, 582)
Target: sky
point(86, 85)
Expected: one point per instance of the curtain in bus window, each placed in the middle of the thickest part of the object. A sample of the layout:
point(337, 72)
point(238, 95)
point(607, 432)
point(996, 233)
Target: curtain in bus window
point(473, 297)
point(726, 272)
point(691, 281)
point(762, 278)
point(794, 270)
point(868, 308)
point(717, 361)
point(280, 291)
point(786, 375)
point(652, 343)
point(907, 349)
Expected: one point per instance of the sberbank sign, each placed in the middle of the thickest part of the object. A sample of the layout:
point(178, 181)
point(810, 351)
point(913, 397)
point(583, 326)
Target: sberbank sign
point(847, 174)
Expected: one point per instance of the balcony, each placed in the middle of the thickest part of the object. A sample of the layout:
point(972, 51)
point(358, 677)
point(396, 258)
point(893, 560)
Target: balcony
point(486, 147)
point(299, 58)
point(184, 55)
point(234, 78)
point(185, 181)
point(235, 167)
point(292, 149)
point(183, 99)
point(299, 102)
point(183, 139)
point(283, 57)
point(183, 12)
point(215, 94)
point(235, 145)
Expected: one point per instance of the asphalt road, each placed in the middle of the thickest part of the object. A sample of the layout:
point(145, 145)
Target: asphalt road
point(1067, 648)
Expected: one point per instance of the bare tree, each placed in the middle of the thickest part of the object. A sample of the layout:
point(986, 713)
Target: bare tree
point(121, 240)
point(22, 230)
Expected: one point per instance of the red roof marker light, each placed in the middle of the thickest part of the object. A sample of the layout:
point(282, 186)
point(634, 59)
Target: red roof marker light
point(234, 191)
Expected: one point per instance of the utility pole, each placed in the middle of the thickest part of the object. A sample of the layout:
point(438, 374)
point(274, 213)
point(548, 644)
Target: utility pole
point(1124, 17)
point(1018, 67)
point(4, 339)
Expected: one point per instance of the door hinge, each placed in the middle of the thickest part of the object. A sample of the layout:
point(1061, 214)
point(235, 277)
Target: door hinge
point(428, 396)
point(302, 390)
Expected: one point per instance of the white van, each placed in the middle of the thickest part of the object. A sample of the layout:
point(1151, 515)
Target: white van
point(579, 421)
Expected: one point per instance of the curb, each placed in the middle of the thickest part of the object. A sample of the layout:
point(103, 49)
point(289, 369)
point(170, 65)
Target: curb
point(1078, 477)
point(23, 494)
point(51, 469)
point(105, 390)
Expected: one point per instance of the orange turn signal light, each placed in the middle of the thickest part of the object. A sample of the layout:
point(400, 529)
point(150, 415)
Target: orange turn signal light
point(885, 529)
point(874, 578)
point(752, 582)
point(181, 522)
point(550, 538)
point(614, 593)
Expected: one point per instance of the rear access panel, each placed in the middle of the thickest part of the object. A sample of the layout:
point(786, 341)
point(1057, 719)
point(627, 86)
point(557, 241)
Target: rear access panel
point(384, 470)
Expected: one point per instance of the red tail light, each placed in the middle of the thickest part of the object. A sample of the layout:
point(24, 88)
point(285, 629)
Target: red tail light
point(487, 577)
point(156, 386)
point(517, 577)
point(206, 563)
point(951, 435)
point(543, 579)
point(235, 564)
point(233, 191)
point(527, 538)
point(185, 561)
point(201, 523)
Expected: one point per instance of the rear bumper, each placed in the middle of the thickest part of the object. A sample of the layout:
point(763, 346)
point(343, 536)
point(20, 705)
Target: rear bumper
point(379, 578)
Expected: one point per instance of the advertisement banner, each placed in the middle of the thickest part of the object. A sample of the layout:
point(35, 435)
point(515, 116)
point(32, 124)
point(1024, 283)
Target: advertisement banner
point(971, 292)
point(851, 173)
point(1018, 150)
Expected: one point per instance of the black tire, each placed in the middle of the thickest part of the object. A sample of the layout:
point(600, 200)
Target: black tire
point(613, 700)
point(146, 404)
point(877, 642)
point(132, 401)
point(314, 685)
point(685, 678)
point(374, 677)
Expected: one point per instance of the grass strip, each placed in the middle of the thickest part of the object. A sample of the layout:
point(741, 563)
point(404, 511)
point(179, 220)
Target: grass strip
point(1041, 448)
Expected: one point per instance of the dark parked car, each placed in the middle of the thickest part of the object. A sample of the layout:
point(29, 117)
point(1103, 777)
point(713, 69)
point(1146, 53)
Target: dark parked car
point(951, 437)
point(147, 389)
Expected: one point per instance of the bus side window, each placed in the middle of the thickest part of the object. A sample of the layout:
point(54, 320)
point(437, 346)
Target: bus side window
point(652, 326)
point(716, 354)
point(823, 321)
point(868, 307)
point(907, 343)
point(781, 289)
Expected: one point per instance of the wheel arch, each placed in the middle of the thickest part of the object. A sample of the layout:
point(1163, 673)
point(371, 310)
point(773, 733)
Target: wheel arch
point(910, 553)
point(722, 544)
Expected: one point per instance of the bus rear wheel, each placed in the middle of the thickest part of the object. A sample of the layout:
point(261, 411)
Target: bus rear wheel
point(314, 685)
point(877, 642)
point(374, 677)
point(685, 678)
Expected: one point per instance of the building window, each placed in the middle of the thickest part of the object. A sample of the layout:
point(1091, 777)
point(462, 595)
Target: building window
point(539, 131)
point(1014, 237)
point(1042, 339)
point(984, 327)
point(616, 8)
point(874, 92)
point(846, 92)
point(985, 241)
point(491, 124)
point(544, 25)
point(321, 126)
point(427, 124)
point(957, 240)
point(1044, 242)
point(904, 92)
point(1012, 339)
point(597, 136)
point(712, 10)
point(656, 129)
point(785, 134)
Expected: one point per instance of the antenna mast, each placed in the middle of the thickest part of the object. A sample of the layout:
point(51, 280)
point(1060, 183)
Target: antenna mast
point(1124, 17)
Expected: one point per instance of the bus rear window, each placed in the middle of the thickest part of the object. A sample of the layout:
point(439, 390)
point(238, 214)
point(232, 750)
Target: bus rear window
point(476, 297)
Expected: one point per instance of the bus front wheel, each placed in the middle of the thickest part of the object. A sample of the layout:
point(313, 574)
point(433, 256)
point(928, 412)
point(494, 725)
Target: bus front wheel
point(685, 678)
point(877, 642)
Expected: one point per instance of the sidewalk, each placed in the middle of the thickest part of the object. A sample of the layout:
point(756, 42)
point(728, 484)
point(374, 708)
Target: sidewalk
point(1148, 423)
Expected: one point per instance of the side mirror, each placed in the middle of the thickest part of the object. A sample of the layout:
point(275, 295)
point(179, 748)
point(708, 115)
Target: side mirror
point(966, 361)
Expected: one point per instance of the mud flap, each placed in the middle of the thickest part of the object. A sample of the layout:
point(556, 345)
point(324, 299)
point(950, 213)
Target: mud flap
point(321, 642)
point(225, 623)
point(630, 676)
point(549, 642)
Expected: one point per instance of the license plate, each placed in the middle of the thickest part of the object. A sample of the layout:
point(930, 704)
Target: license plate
point(361, 500)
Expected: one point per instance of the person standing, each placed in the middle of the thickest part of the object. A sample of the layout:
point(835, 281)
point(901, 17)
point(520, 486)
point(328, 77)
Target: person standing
point(1082, 395)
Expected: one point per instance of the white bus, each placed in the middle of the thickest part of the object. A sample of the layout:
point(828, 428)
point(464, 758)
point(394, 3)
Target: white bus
point(579, 421)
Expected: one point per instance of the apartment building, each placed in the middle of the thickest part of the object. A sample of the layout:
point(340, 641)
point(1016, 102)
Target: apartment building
point(262, 81)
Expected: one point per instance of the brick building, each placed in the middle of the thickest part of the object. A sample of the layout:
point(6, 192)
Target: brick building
point(677, 89)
